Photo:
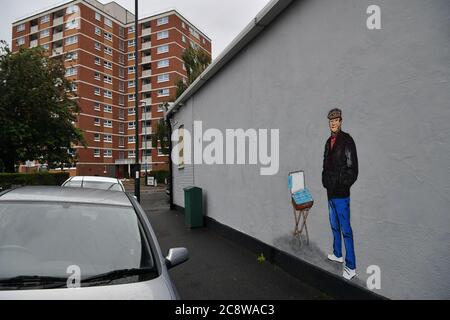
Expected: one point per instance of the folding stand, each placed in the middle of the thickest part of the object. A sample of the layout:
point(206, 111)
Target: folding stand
point(299, 212)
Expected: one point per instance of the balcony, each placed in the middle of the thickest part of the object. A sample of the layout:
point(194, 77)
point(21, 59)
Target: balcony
point(57, 36)
point(34, 29)
point(146, 130)
point(58, 21)
point(146, 116)
point(147, 159)
point(146, 87)
point(146, 59)
point(147, 102)
point(146, 32)
point(57, 51)
point(146, 45)
point(146, 73)
point(147, 145)
point(34, 43)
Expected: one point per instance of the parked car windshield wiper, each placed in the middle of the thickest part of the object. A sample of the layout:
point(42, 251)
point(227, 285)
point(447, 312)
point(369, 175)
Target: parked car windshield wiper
point(117, 274)
point(29, 281)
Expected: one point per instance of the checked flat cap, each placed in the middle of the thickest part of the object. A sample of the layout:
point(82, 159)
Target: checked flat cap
point(335, 113)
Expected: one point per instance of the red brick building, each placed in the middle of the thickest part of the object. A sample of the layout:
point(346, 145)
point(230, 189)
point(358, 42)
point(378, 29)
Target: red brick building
point(98, 44)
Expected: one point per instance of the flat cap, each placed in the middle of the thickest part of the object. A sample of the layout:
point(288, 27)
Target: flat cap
point(335, 113)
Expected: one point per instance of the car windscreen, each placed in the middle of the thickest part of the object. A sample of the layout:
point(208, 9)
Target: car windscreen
point(47, 239)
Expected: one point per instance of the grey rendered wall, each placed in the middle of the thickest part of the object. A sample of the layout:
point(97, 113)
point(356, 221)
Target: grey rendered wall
point(393, 87)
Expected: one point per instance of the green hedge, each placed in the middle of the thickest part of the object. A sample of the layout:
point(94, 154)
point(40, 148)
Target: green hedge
point(8, 180)
point(160, 176)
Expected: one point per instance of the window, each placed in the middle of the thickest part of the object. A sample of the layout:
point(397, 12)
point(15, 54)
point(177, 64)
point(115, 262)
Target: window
point(74, 87)
point(97, 91)
point(98, 61)
point(131, 97)
point(121, 127)
point(163, 93)
point(163, 20)
point(121, 100)
point(121, 32)
point(131, 154)
point(183, 25)
point(121, 72)
point(97, 122)
point(163, 77)
point(131, 84)
point(108, 123)
point(131, 29)
point(98, 16)
point(45, 19)
point(72, 56)
point(121, 59)
point(121, 86)
point(194, 33)
point(108, 65)
point(162, 35)
point(131, 70)
point(20, 28)
point(163, 63)
point(96, 137)
point(107, 153)
point(108, 22)
point(121, 114)
point(121, 45)
point(131, 43)
point(108, 79)
point(109, 51)
point(46, 46)
point(183, 38)
point(96, 75)
point(98, 31)
point(108, 36)
point(45, 33)
point(131, 111)
point(131, 139)
point(107, 138)
point(21, 41)
point(131, 56)
point(107, 108)
point(71, 71)
point(160, 153)
point(161, 107)
point(108, 94)
point(96, 106)
point(71, 40)
point(72, 9)
point(96, 153)
point(163, 49)
point(131, 125)
point(73, 24)
point(98, 46)
point(121, 144)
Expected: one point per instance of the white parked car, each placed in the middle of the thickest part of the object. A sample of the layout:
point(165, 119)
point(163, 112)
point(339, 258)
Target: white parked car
point(103, 183)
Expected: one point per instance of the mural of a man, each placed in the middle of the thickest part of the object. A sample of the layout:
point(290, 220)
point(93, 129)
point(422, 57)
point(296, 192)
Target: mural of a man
point(340, 171)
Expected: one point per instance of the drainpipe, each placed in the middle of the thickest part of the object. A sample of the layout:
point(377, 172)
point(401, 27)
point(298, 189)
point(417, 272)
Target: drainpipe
point(169, 126)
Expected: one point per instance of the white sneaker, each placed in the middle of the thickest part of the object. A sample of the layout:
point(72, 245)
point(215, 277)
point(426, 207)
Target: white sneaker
point(332, 257)
point(349, 273)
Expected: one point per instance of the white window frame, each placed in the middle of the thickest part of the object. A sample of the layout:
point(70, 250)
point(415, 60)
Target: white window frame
point(161, 94)
point(72, 24)
point(131, 154)
point(21, 41)
point(162, 35)
point(107, 123)
point(97, 91)
point(44, 33)
point(107, 153)
point(164, 77)
point(163, 63)
point(97, 106)
point(71, 40)
point(160, 50)
point(108, 94)
point(108, 64)
point(162, 21)
point(108, 138)
point(98, 16)
point(132, 70)
point(98, 46)
point(131, 43)
point(131, 125)
point(131, 56)
point(107, 108)
point(71, 71)
point(131, 139)
point(107, 79)
point(96, 137)
point(97, 122)
point(131, 97)
point(132, 111)
point(131, 84)
point(97, 61)
point(98, 31)
point(20, 27)
point(131, 29)
point(108, 36)
point(108, 50)
point(96, 153)
point(44, 19)
point(108, 22)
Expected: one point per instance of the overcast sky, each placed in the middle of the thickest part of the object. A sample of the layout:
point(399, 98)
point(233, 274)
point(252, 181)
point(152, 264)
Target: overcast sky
point(220, 20)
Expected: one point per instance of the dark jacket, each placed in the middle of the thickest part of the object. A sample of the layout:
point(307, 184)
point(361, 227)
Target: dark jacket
point(340, 166)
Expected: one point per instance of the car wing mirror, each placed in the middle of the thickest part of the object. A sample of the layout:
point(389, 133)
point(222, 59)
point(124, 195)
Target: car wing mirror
point(176, 256)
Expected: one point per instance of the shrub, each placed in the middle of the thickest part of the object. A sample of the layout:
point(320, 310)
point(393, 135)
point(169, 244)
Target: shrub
point(8, 180)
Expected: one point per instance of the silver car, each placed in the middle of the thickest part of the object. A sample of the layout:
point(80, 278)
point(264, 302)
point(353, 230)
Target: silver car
point(94, 182)
point(76, 243)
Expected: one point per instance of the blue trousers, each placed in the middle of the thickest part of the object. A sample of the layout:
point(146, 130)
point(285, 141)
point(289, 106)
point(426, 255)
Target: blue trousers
point(340, 223)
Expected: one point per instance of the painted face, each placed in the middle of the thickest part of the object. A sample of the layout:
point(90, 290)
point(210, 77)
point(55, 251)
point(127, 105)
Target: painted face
point(335, 125)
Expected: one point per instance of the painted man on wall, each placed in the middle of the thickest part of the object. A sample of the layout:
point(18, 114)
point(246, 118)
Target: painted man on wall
point(340, 171)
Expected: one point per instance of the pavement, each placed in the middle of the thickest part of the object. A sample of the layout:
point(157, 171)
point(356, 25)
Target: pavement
point(218, 269)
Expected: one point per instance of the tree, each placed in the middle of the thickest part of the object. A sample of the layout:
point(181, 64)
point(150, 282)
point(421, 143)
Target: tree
point(37, 109)
point(196, 61)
